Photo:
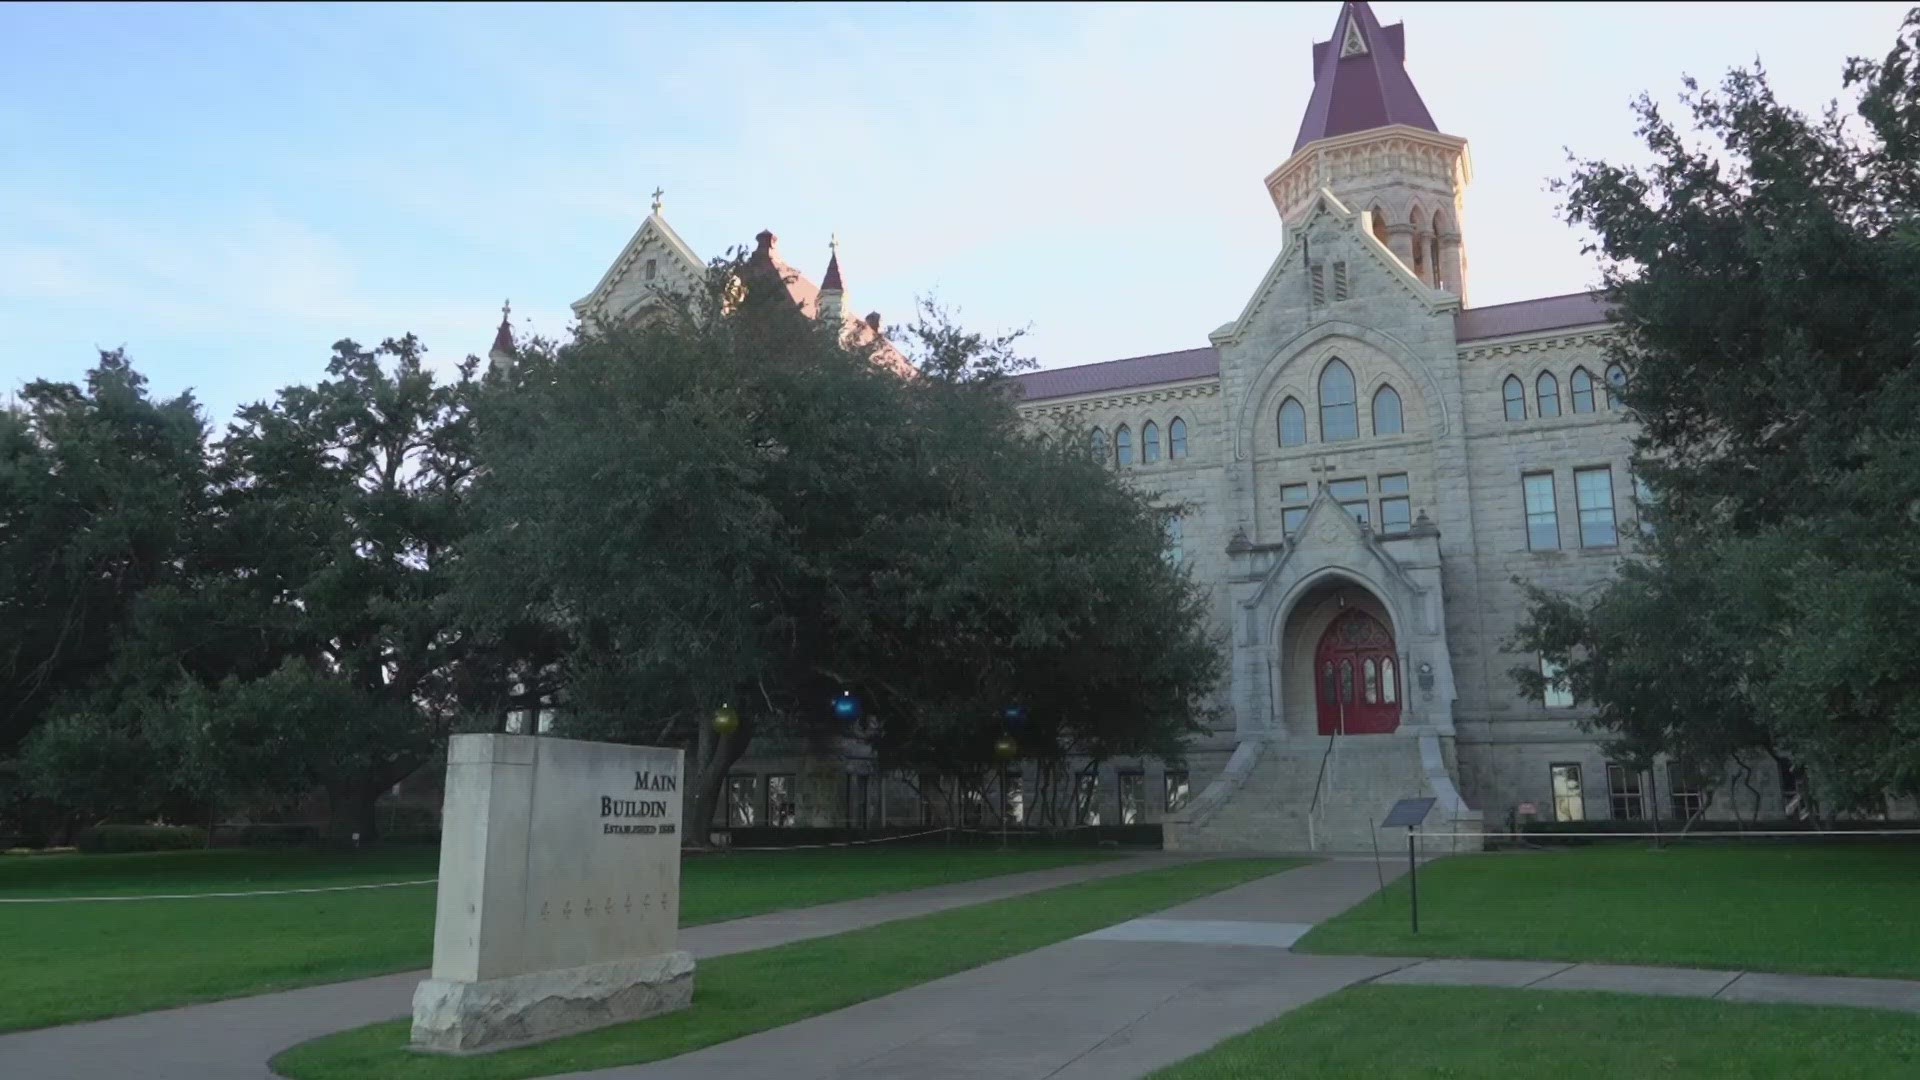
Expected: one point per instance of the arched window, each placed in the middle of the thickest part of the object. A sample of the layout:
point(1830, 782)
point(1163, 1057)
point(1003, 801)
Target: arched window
point(1150, 443)
point(1380, 225)
point(1177, 439)
point(1546, 391)
point(1123, 445)
point(1516, 396)
point(1097, 443)
point(1582, 391)
point(1616, 380)
point(1339, 416)
point(1386, 412)
point(1293, 424)
point(1419, 244)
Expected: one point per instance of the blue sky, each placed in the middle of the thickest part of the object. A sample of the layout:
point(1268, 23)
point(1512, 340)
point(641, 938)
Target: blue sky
point(226, 190)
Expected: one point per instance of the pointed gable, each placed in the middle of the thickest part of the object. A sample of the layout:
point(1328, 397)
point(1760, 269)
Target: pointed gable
point(1360, 80)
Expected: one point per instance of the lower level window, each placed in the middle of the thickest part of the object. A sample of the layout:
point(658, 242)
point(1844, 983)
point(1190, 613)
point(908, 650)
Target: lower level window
point(1569, 804)
point(1086, 793)
point(780, 806)
point(1623, 793)
point(742, 800)
point(1685, 790)
point(1133, 798)
point(1176, 791)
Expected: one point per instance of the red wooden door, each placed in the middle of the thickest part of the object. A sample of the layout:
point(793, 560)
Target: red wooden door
point(1356, 677)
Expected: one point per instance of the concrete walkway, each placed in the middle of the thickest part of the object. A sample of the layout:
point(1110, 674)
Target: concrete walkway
point(1130, 999)
point(233, 1039)
point(1119, 1002)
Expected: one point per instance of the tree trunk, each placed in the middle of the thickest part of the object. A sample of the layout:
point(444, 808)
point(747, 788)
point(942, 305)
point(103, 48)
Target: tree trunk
point(351, 820)
point(714, 757)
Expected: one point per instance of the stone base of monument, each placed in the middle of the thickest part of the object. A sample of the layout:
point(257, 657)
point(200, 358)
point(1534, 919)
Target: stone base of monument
point(558, 905)
point(499, 1014)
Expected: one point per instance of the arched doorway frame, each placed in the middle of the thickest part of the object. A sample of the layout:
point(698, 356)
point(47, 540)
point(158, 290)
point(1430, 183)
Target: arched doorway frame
point(1277, 640)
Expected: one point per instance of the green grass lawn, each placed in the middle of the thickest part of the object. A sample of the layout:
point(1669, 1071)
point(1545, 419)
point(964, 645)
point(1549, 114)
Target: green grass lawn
point(748, 992)
point(1827, 910)
point(1445, 1031)
point(61, 963)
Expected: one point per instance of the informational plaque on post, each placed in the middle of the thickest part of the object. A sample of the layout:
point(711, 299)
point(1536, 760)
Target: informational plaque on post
point(559, 893)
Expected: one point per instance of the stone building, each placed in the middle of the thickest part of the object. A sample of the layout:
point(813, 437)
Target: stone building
point(1364, 467)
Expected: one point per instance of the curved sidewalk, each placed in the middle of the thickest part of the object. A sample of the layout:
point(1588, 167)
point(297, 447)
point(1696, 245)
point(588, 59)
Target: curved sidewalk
point(233, 1039)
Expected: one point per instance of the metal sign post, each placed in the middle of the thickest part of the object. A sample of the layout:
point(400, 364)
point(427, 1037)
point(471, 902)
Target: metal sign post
point(1408, 814)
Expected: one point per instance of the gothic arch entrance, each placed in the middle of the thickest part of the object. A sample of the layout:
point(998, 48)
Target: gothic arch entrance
point(1356, 677)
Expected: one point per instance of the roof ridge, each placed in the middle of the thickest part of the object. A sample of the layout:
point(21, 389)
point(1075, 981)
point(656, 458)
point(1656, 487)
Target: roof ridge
point(1123, 359)
point(1532, 300)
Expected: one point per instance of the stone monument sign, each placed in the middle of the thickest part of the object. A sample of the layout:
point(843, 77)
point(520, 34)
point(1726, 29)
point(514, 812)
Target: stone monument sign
point(559, 900)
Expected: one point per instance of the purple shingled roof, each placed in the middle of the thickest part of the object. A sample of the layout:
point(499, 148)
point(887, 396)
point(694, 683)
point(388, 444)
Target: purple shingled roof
point(1530, 316)
point(1473, 324)
point(1120, 374)
point(1367, 90)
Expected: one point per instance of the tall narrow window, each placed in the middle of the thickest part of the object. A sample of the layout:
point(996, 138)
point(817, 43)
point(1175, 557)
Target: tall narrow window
point(1558, 695)
point(1386, 412)
point(1087, 795)
point(1133, 797)
point(1569, 804)
point(1546, 393)
point(1319, 275)
point(1623, 793)
point(1176, 538)
point(1516, 398)
point(1353, 497)
point(1097, 444)
point(1543, 522)
point(1396, 513)
point(1389, 682)
point(1177, 439)
point(1339, 416)
point(1582, 391)
point(1293, 507)
point(1593, 491)
point(1293, 424)
point(1176, 787)
point(1123, 445)
point(1339, 281)
point(1149, 443)
point(1370, 682)
point(1642, 505)
point(1616, 381)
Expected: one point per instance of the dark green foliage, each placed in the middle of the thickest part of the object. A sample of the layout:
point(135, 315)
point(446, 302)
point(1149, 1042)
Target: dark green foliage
point(122, 839)
point(101, 490)
point(1767, 283)
point(726, 504)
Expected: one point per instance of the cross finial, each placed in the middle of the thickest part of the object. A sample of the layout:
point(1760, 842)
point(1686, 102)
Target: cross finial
point(506, 310)
point(657, 194)
point(833, 243)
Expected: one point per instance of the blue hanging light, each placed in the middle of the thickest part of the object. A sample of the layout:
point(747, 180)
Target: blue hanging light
point(1015, 717)
point(846, 707)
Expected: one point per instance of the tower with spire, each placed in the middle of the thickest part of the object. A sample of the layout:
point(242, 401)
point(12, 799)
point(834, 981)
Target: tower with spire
point(501, 354)
point(1368, 137)
point(833, 294)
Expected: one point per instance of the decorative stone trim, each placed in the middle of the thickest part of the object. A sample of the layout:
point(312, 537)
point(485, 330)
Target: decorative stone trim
point(1145, 396)
point(1550, 342)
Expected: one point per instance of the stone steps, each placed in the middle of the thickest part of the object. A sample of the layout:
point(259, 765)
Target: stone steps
point(1269, 810)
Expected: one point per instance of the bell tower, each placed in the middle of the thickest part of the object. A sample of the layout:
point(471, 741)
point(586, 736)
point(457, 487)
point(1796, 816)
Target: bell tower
point(1368, 138)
